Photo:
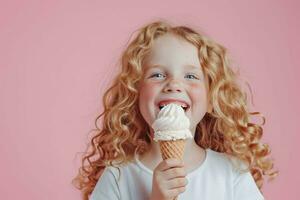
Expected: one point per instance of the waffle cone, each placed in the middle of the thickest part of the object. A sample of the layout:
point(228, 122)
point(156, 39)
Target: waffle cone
point(172, 149)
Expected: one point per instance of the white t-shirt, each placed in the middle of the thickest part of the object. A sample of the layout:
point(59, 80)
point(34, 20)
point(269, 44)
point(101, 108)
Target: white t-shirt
point(214, 179)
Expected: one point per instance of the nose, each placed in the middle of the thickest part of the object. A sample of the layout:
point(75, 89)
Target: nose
point(173, 86)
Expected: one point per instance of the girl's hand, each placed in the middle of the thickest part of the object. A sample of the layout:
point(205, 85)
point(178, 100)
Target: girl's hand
point(168, 180)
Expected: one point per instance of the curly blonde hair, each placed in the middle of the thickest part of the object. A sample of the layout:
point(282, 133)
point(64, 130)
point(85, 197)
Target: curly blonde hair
point(124, 131)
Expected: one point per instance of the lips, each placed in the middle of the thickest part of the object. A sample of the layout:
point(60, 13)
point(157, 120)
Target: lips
point(181, 103)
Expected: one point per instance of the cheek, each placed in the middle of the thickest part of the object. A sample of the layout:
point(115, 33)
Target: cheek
point(147, 91)
point(147, 96)
point(198, 93)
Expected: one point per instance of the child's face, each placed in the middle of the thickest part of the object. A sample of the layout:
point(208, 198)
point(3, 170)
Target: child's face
point(174, 78)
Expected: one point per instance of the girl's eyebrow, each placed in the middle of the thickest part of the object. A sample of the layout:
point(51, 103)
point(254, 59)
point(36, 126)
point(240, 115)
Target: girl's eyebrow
point(192, 67)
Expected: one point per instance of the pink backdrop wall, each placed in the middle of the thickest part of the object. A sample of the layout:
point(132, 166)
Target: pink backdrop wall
point(56, 58)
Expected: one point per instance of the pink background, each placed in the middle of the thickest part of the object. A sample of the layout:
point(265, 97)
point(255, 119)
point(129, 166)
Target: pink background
point(57, 57)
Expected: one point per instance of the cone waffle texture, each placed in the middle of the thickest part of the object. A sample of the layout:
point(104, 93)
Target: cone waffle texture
point(172, 148)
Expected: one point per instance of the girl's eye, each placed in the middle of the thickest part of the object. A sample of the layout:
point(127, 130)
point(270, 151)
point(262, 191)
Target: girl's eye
point(156, 75)
point(160, 75)
point(191, 75)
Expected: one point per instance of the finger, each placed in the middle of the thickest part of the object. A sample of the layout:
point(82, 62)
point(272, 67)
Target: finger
point(177, 182)
point(176, 191)
point(175, 172)
point(170, 162)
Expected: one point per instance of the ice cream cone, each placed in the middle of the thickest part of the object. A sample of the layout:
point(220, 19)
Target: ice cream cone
point(172, 149)
point(171, 131)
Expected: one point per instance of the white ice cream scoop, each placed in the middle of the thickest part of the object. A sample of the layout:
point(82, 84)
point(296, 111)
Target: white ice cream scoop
point(171, 124)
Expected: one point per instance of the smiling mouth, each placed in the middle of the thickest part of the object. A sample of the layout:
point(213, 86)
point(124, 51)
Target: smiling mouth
point(185, 108)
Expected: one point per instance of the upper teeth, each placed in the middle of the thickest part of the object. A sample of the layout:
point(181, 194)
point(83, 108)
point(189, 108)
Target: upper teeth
point(163, 105)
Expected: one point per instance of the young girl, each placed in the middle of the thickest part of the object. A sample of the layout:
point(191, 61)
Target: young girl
point(226, 159)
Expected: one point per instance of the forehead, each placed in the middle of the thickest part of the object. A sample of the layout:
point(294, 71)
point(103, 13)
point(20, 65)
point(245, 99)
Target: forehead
point(160, 66)
point(169, 50)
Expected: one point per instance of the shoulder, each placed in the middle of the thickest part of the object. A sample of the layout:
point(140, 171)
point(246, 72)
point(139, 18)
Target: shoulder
point(107, 185)
point(224, 164)
point(120, 171)
point(219, 160)
point(112, 172)
point(243, 183)
point(226, 160)
point(109, 175)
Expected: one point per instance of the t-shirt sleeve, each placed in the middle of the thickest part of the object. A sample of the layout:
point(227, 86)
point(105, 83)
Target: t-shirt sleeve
point(245, 187)
point(107, 186)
